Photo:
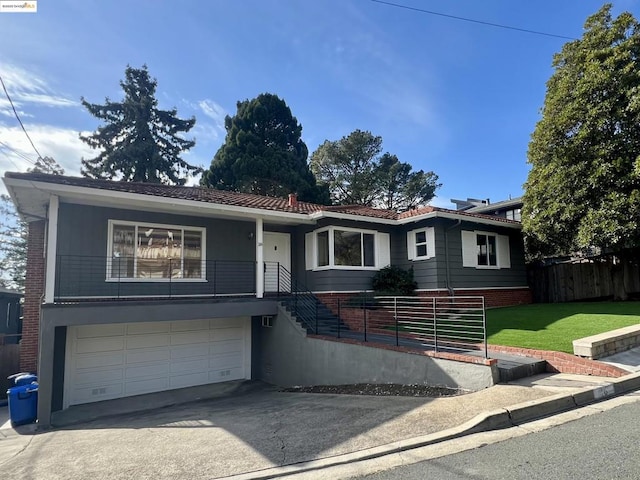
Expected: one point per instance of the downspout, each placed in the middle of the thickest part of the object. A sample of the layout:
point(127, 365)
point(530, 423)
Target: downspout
point(446, 257)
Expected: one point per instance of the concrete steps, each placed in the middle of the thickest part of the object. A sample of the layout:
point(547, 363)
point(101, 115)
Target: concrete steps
point(513, 367)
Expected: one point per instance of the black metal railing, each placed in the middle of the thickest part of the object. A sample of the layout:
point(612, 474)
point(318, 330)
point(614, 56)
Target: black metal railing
point(442, 324)
point(79, 277)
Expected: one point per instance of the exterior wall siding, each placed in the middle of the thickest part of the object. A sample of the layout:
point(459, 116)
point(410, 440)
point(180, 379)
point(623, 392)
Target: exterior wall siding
point(34, 289)
point(82, 253)
point(334, 280)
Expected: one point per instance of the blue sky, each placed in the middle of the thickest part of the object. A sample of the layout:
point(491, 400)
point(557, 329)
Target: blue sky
point(457, 98)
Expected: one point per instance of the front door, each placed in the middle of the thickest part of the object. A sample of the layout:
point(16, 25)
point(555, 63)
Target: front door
point(277, 252)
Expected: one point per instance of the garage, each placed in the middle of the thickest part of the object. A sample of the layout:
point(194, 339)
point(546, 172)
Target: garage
point(117, 360)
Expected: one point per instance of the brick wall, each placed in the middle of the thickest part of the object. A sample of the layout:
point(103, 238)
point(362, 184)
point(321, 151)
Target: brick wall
point(34, 288)
point(492, 297)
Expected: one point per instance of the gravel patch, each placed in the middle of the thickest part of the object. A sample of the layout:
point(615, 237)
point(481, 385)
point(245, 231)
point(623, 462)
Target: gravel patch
point(380, 390)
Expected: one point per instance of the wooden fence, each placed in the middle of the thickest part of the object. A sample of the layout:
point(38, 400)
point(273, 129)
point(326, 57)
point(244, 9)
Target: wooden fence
point(9, 364)
point(584, 280)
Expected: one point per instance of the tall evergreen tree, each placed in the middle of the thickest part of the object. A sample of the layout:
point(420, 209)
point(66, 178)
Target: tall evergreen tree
point(583, 189)
point(263, 152)
point(138, 141)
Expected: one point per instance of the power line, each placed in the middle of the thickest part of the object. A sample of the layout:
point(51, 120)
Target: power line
point(16, 152)
point(471, 20)
point(18, 117)
point(11, 160)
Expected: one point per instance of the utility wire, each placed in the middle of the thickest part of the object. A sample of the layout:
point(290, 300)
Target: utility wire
point(471, 20)
point(18, 117)
point(11, 160)
point(16, 152)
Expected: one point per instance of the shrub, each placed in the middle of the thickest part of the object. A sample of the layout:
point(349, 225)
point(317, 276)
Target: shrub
point(394, 281)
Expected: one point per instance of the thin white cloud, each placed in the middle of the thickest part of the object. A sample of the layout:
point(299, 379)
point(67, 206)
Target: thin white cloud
point(441, 202)
point(63, 144)
point(213, 110)
point(26, 87)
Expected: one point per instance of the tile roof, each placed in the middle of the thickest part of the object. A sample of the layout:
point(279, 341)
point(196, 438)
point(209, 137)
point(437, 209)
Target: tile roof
point(198, 194)
point(222, 197)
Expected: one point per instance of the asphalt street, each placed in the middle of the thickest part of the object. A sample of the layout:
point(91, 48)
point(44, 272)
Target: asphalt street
point(601, 446)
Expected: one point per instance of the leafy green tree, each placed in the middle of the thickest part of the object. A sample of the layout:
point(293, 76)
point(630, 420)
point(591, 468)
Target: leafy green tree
point(138, 142)
point(14, 232)
point(263, 153)
point(355, 173)
point(348, 167)
point(583, 189)
point(47, 165)
point(13, 245)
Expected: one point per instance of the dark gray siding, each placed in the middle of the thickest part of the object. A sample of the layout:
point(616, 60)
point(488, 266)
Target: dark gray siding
point(59, 348)
point(467, 277)
point(429, 274)
point(82, 253)
point(10, 323)
point(333, 280)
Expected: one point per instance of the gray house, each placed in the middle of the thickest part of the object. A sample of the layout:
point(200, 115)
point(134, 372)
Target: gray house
point(10, 316)
point(137, 288)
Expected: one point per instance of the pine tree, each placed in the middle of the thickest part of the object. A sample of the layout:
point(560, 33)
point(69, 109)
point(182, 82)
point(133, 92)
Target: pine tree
point(138, 141)
point(263, 153)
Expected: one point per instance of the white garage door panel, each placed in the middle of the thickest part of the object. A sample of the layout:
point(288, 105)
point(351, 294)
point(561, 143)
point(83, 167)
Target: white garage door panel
point(105, 344)
point(109, 359)
point(145, 341)
point(146, 386)
point(138, 358)
point(188, 325)
point(108, 376)
point(92, 331)
point(106, 392)
point(188, 351)
point(145, 328)
point(190, 338)
point(141, 355)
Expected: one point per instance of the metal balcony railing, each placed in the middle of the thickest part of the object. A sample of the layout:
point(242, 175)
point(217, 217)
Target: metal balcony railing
point(91, 277)
point(441, 324)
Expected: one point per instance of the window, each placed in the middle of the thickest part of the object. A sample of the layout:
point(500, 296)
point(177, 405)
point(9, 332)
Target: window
point(515, 214)
point(485, 250)
point(152, 252)
point(421, 244)
point(348, 248)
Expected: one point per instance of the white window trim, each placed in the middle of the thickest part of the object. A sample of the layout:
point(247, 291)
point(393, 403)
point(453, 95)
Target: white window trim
point(488, 267)
point(429, 233)
point(498, 265)
point(332, 265)
point(203, 269)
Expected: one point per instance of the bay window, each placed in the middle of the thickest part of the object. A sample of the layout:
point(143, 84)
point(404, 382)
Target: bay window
point(348, 248)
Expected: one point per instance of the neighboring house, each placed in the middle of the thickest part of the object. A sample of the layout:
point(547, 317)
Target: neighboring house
point(510, 209)
point(134, 288)
point(10, 313)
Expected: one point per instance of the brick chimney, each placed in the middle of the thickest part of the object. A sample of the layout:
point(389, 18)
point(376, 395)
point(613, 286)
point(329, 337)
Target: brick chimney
point(293, 200)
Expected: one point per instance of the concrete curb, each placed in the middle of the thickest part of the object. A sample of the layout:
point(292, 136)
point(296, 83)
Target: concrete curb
point(486, 421)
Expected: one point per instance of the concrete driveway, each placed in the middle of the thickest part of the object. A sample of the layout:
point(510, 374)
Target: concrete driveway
point(258, 429)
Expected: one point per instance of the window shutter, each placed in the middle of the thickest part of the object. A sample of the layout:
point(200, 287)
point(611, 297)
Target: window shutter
point(411, 244)
point(383, 250)
point(309, 251)
point(431, 242)
point(504, 255)
point(469, 249)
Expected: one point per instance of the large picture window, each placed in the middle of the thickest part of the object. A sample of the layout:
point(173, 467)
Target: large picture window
point(147, 251)
point(348, 248)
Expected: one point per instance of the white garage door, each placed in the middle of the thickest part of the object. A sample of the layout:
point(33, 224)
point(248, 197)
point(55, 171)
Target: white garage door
point(119, 360)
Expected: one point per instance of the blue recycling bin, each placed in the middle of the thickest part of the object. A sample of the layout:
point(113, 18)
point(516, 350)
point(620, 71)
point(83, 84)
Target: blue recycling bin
point(23, 378)
point(23, 404)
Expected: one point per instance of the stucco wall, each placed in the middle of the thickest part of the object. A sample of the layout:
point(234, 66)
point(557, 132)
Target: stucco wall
point(289, 358)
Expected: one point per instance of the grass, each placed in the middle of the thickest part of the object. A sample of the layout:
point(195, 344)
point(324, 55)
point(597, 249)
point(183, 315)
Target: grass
point(554, 326)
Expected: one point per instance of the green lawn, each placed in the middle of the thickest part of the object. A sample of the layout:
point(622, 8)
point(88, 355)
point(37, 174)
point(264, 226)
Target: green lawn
point(554, 326)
